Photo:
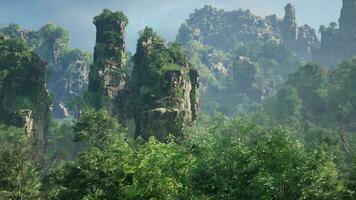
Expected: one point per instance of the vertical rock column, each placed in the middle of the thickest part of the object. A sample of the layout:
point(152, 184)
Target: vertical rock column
point(107, 76)
point(289, 26)
point(25, 101)
point(347, 19)
point(165, 88)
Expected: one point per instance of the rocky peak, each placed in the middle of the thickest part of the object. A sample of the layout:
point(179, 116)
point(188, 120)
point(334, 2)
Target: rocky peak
point(165, 88)
point(307, 41)
point(347, 21)
point(107, 75)
point(289, 25)
point(24, 97)
point(338, 44)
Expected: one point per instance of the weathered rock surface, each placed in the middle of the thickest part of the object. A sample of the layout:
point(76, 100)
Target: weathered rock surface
point(338, 44)
point(67, 68)
point(69, 80)
point(107, 75)
point(165, 88)
point(307, 42)
point(161, 94)
point(289, 26)
point(24, 99)
point(225, 30)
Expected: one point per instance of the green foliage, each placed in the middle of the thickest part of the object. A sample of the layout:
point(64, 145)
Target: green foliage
point(237, 160)
point(61, 139)
point(22, 66)
point(55, 40)
point(230, 159)
point(124, 169)
point(109, 17)
point(67, 68)
point(351, 184)
point(185, 34)
point(95, 126)
point(288, 104)
point(171, 67)
point(309, 157)
point(20, 178)
point(155, 63)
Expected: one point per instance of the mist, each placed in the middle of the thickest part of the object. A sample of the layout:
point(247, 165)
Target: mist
point(165, 16)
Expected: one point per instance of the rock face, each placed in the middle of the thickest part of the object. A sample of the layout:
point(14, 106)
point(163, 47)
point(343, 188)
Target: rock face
point(225, 30)
point(289, 26)
point(23, 93)
point(302, 40)
point(161, 95)
point(67, 68)
point(347, 19)
point(107, 75)
point(69, 80)
point(338, 44)
point(307, 42)
point(165, 88)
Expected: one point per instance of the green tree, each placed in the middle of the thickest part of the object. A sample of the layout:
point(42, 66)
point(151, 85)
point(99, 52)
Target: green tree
point(237, 160)
point(19, 175)
point(312, 83)
point(288, 104)
point(95, 126)
point(54, 42)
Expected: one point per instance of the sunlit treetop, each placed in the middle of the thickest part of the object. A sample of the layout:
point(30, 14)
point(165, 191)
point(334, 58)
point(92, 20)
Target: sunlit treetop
point(108, 16)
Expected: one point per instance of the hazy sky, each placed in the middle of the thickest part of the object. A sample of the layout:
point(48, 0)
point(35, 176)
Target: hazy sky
point(164, 16)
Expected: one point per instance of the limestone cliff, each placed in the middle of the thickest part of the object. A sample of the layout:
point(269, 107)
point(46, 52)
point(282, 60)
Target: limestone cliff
point(107, 75)
point(24, 99)
point(301, 40)
point(165, 88)
point(338, 44)
point(69, 80)
point(307, 41)
point(289, 26)
point(347, 19)
point(226, 30)
point(67, 69)
point(161, 95)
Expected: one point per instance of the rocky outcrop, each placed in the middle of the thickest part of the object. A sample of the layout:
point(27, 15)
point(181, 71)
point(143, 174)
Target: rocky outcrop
point(161, 95)
point(307, 42)
point(289, 26)
point(223, 30)
point(69, 80)
point(226, 30)
point(347, 19)
point(165, 88)
point(301, 40)
point(107, 75)
point(67, 68)
point(338, 44)
point(23, 93)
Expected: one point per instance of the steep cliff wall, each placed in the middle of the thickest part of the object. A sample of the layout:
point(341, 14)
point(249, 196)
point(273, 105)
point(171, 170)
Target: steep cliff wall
point(67, 69)
point(164, 86)
point(289, 26)
point(24, 99)
point(226, 30)
point(347, 19)
point(338, 43)
point(107, 75)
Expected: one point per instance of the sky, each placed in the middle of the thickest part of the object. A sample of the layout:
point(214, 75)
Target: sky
point(164, 16)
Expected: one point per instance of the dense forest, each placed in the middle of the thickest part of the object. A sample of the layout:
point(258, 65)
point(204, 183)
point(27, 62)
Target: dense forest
point(238, 107)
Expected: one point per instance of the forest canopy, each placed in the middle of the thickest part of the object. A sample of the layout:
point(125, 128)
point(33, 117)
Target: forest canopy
point(238, 107)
